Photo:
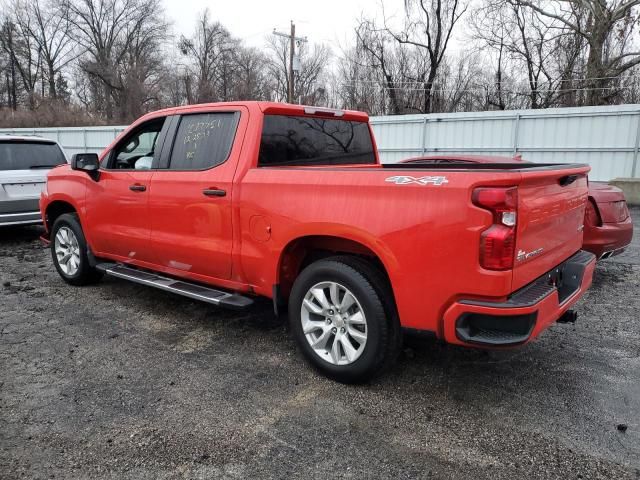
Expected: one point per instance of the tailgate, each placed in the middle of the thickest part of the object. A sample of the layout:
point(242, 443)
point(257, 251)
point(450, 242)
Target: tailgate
point(551, 205)
point(21, 184)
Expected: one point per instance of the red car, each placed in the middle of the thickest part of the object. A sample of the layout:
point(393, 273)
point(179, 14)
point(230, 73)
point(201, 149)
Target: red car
point(608, 229)
point(225, 202)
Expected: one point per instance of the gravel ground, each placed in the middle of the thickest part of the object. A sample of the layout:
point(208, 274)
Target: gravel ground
point(122, 381)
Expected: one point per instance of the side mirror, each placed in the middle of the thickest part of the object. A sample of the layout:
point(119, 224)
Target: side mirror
point(87, 162)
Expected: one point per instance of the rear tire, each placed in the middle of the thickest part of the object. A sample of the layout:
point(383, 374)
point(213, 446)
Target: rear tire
point(70, 252)
point(341, 321)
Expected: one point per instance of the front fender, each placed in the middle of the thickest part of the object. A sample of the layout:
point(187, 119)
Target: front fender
point(67, 186)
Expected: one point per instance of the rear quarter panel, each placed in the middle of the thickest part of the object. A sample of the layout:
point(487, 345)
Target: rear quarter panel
point(427, 236)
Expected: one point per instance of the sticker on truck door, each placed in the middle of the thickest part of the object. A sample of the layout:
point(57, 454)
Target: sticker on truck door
point(406, 180)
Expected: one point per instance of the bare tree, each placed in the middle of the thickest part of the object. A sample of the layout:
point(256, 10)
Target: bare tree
point(456, 82)
point(408, 78)
point(251, 82)
point(48, 25)
point(121, 40)
point(519, 43)
point(356, 83)
point(374, 43)
point(8, 47)
point(569, 60)
point(219, 67)
point(24, 58)
point(606, 26)
point(428, 27)
point(210, 51)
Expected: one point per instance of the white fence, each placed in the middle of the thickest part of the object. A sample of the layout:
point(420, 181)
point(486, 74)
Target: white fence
point(607, 138)
point(73, 139)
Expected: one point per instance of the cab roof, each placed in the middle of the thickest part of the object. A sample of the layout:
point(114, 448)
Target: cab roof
point(269, 108)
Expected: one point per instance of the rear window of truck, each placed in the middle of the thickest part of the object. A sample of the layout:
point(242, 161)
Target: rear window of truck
point(24, 155)
point(304, 141)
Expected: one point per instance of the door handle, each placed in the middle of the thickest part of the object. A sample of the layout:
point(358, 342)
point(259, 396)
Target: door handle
point(137, 188)
point(213, 192)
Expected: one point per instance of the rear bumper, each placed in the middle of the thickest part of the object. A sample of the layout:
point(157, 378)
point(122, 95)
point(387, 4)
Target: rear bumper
point(609, 239)
point(526, 313)
point(20, 212)
point(23, 218)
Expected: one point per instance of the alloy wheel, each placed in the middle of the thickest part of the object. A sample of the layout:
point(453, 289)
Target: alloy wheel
point(334, 323)
point(67, 251)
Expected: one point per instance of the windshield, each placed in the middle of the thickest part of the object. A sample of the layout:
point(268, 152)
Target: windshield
point(23, 155)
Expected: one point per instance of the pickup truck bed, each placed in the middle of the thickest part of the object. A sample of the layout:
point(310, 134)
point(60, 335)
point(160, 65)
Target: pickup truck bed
point(295, 206)
point(427, 234)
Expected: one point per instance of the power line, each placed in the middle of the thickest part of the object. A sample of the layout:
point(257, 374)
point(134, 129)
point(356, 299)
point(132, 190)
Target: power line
point(580, 79)
point(484, 90)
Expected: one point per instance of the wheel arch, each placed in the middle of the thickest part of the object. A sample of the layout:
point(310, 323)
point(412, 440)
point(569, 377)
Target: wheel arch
point(303, 250)
point(55, 209)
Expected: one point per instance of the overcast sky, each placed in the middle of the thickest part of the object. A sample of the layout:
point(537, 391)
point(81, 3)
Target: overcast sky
point(325, 21)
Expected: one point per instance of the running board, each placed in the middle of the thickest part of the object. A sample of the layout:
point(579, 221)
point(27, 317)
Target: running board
point(191, 290)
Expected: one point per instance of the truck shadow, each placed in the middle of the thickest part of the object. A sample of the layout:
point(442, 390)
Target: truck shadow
point(19, 234)
point(183, 314)
point(423, 364)
point(253, 350)
point(545, 369)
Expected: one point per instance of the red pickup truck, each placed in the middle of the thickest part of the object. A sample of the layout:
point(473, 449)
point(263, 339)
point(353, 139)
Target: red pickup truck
point(224, 202)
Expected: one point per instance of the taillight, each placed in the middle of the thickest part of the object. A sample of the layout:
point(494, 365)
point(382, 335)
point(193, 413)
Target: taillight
point(591, 215)
point(621, 210)
point(498, 242)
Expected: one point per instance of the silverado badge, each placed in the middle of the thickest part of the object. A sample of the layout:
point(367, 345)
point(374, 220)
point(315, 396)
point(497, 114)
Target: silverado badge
point(522, 255)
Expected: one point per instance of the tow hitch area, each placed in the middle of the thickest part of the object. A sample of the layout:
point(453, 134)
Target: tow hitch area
point(570, 316)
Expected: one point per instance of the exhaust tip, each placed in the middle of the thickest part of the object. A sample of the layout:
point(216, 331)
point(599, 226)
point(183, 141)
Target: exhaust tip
point(570, 316)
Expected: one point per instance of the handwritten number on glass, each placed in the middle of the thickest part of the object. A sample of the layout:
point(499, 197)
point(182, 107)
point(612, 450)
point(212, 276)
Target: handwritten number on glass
point(198, 131)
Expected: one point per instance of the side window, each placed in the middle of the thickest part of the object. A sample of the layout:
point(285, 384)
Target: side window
point(137, 149)
point(203, 140)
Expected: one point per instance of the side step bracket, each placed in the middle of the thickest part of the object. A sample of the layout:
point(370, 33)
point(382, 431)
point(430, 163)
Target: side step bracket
point(187, 289)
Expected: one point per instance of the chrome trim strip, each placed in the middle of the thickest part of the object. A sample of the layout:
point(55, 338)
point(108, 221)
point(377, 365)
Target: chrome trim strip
point(3, 215)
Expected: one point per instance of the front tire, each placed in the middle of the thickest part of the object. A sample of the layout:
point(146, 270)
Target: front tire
point(339, 320)
point(69, 251)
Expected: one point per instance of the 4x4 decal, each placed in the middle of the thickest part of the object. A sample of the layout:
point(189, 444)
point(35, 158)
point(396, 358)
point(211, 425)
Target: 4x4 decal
point(406, 180)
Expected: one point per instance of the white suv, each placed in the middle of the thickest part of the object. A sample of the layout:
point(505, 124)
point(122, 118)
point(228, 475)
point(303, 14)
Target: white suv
point(24, 164)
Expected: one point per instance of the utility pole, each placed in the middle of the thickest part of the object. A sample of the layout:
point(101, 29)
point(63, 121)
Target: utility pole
point(292, 52)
